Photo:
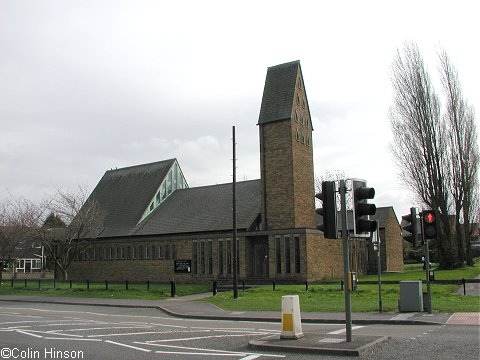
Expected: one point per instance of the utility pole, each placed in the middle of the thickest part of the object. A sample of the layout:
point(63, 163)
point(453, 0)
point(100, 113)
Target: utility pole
point(234, 206)
point(346, 261)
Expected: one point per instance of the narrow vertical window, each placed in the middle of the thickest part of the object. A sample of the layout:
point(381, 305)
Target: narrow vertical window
point(297, 253)
point(229, 256)
point(174, 252)
point(127, 255)
point(202, 257)
point(220, 257)
point(147, 252)
point(153, 252)
point(209, 258)
point(287, 255)
point(278, 254)
point(167, 252)
point(160, 254)
point(194, 257)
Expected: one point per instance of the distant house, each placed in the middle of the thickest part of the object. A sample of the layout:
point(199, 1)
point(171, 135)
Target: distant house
point(158, 228)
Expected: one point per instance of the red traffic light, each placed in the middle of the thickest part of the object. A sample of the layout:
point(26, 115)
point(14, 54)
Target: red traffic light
point(429, 218)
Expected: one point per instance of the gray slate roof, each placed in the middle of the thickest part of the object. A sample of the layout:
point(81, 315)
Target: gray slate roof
point(125, 194)
point(204, 209)
point(278, 93)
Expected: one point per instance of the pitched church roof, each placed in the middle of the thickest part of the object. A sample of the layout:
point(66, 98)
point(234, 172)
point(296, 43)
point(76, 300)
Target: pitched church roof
point(279, 92)
point(125, 193)
point(207, 208)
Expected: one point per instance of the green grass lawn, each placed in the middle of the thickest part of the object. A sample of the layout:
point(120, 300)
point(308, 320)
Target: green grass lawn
point(97, 290)
point(330, 298)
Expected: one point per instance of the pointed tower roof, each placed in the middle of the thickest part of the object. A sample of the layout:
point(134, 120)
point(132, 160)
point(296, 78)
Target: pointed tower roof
point(279, 92)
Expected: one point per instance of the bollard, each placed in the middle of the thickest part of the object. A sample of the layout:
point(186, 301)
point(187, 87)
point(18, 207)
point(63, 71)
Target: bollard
point(243, 286)
point(106, 284)
point(341, 285)
point(172, 288)
point(464, 287)
point(39, 286)
point(54, 283)
point(291, 320)
point(88, 284)
point(25, 282)
point(148, 285)
point(306, 286)
point(12, 281)
point(70, 284)
point(273, 285)
point(126, 284)
point(214, 287)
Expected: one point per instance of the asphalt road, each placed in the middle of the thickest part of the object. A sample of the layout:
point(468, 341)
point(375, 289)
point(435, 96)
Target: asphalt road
point(49, 331)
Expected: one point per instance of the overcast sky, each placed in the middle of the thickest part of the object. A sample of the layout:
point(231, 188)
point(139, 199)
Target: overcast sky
point(86, 86)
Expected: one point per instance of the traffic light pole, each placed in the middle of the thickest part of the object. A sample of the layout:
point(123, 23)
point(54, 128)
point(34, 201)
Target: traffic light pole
point(346, 261)
point(234, 220)
point(427, 270)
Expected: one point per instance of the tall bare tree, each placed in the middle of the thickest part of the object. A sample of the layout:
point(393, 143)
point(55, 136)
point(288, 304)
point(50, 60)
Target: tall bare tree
point(19, 220)
point(420, 145)
point(464, 157)
point(79, 221)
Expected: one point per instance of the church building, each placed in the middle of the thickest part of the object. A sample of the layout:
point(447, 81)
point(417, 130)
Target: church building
point(158, 228)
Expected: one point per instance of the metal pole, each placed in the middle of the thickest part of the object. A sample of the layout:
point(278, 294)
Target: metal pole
point(346, 261)
point(379, 270)
point(234, 199)
point(427, 271)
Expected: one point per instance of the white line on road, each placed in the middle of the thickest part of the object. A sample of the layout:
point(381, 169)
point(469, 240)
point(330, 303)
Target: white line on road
point(196, 338)
point(71, 339)
point(341, 331)
point(127, 346)
point(29, 334)
point(148, 332)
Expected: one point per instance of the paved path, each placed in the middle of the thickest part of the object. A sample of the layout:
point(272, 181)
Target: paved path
point(472, 289)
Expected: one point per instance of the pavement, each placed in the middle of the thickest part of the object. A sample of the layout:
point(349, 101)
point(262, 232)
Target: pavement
point(192, 307)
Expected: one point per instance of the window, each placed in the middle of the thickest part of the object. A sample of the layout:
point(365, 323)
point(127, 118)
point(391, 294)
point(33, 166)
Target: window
point(127, 253)
point(134, 252)
point(152, 205)
point(160, 254)
point(202, 257)
point(122, 253)
point(153, 252)
point(303, 103)
point(287, 255)
point(298, 100)
point(209, 258)
point(194, 257)
point(220, 257)
point(147, 252)
point(111, 253)
point(297, 135)
point(163, 191)
point(167, 252)
point(301, 119)
point(229, 256)
point(297, 253)
point(140, 252)
point(278, 254)
point(105, 253)
point(297, 116)
point(157, 198)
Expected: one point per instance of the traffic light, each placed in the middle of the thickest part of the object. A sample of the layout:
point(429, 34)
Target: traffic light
point(362, 225)
point(429, 224)
point(329, 210)
point(411, 227)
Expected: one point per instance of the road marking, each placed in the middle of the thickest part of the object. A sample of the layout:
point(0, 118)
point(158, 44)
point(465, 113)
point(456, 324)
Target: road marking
point(336, 332)
point(146, 332)
point(29, 334)
point(208, 351)
point(127, 346)
point(71, 339)
point(196, 338)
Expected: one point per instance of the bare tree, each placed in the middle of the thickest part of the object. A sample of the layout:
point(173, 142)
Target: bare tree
point(83, 222)
point(464, 157)
point(420, 145)
point(19, 220)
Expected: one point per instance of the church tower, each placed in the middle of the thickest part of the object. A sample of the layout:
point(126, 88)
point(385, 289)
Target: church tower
point(286, 156)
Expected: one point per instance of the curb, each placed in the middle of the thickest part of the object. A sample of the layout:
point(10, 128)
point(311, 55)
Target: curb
point(233, 318)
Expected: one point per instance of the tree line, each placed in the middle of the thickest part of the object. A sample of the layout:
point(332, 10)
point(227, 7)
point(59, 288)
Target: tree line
point(435, 148)
point(64, 224)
